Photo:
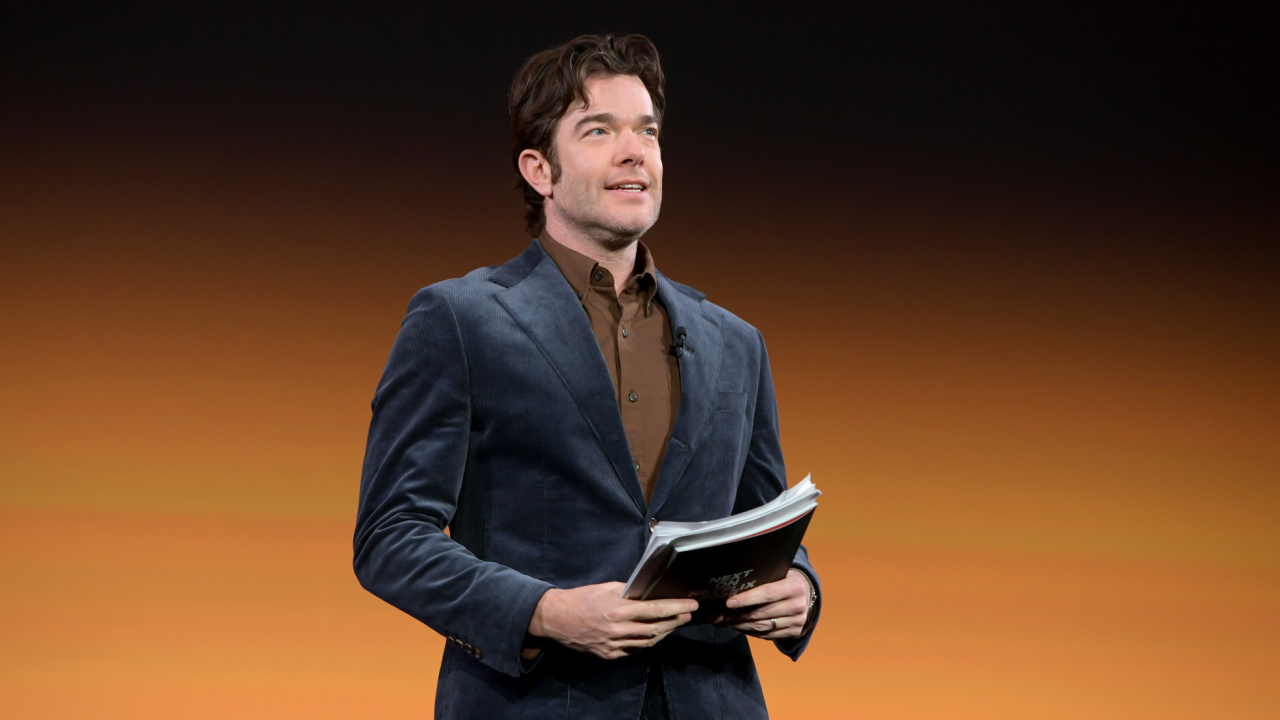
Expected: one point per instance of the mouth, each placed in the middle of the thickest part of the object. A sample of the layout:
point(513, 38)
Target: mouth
point(628, 187)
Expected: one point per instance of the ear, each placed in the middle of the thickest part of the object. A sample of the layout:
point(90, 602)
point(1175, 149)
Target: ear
point(536, 171)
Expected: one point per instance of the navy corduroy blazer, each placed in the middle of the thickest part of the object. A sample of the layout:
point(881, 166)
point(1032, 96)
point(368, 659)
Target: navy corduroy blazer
point(496, 418)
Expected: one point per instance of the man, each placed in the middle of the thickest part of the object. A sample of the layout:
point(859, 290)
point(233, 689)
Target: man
point(550, 411)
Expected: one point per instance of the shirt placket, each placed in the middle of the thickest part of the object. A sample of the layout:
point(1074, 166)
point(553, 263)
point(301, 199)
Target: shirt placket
point(633, 395)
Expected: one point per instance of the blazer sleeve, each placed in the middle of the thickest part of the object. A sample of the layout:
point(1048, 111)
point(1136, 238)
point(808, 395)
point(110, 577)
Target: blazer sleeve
point(413, 471)
point(764, 477)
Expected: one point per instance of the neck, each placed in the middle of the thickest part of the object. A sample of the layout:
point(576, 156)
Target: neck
point(617, 255)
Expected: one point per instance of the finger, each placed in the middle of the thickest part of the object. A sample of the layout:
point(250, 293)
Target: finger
point(763, 627)
point(788, 607)
point(790, 586)
point(786, 627)
point(614, 653)
point(755, 596)
point(640, 640)
point(652, 629)
point(652, 610)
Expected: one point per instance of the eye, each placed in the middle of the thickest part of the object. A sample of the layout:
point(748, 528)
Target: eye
point(596, 131)
point(651, 132)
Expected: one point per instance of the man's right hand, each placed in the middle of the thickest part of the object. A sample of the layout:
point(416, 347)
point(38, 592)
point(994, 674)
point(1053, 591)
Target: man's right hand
point(596, 619)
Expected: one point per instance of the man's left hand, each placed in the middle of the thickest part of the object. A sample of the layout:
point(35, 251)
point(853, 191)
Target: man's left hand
point(755, 612)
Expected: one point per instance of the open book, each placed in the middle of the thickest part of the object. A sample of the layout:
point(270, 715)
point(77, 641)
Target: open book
point(714, 559)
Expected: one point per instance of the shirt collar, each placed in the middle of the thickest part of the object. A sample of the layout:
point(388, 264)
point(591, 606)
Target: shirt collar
point(578, 269)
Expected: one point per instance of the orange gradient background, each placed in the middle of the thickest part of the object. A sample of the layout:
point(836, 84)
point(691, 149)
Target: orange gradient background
point(1044, 411)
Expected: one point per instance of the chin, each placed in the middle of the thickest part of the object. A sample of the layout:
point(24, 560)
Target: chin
point(619, 231)
point(636, 225)
point(626, 233)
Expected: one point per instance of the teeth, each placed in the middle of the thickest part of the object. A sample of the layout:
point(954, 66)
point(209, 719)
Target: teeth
point(630, 187)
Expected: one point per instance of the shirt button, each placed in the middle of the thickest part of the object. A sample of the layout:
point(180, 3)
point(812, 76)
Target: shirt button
point(597, 275)
point(624, 332)
point(633, 397)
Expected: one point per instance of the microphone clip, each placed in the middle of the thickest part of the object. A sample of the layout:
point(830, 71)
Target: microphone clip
point(678, 347)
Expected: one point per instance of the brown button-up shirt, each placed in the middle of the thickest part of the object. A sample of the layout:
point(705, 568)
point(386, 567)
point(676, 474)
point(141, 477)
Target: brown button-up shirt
point(634, 335)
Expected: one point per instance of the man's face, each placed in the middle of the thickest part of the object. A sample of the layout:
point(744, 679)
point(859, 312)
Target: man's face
point(610, 185)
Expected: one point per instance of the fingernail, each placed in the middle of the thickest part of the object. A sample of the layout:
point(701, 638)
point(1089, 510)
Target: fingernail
point(731, 603)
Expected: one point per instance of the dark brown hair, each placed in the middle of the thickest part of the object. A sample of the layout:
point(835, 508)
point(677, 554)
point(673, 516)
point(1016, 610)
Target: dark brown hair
point(554, 79)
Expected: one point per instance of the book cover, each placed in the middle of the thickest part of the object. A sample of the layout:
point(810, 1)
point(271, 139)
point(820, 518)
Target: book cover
point(712, 573)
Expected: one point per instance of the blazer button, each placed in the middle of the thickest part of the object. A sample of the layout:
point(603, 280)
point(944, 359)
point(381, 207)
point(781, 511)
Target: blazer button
point(653, 523)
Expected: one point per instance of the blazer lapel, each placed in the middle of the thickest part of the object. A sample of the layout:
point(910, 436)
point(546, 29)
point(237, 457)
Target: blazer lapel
point(545, 306)
point(699, 366)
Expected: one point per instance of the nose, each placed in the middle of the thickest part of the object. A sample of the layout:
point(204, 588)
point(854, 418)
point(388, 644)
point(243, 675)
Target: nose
point(631, 152)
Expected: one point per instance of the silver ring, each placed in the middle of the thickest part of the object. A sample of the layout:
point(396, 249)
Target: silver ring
point(775, 624)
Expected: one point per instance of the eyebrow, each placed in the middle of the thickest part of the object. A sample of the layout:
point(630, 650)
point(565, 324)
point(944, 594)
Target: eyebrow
point(611, 119)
